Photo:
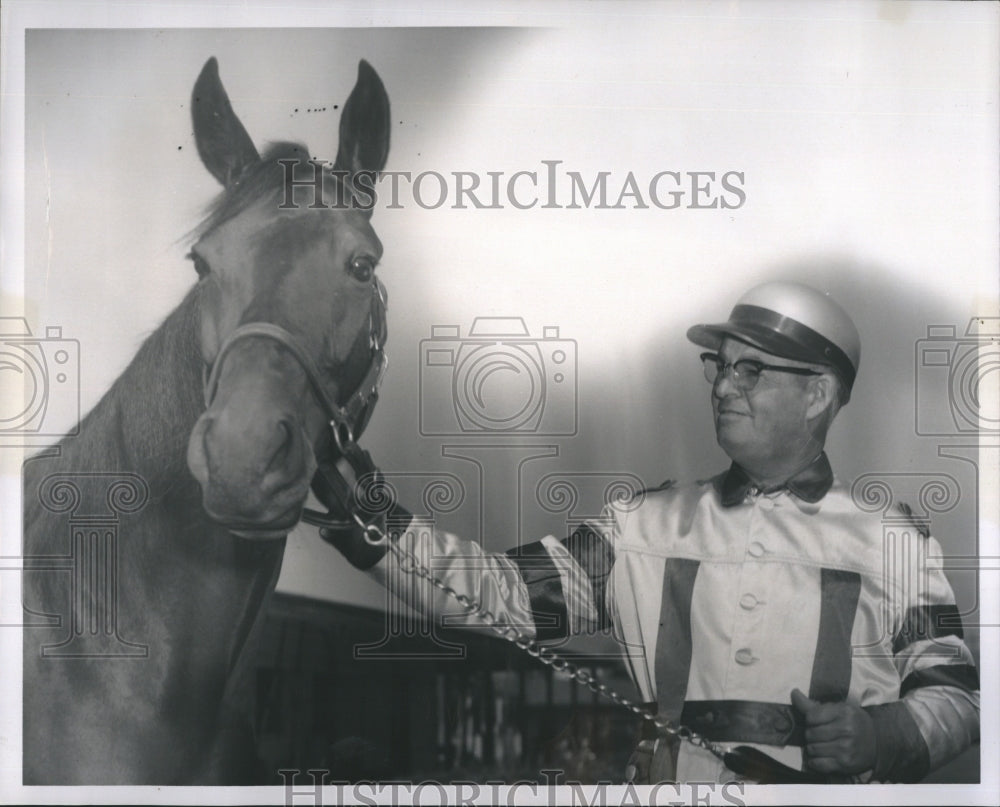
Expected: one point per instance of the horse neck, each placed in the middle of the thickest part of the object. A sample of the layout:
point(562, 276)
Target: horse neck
point(142, 423)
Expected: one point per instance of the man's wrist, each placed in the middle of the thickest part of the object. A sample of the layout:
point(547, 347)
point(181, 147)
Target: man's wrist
point(354, 543)
point(900, 751)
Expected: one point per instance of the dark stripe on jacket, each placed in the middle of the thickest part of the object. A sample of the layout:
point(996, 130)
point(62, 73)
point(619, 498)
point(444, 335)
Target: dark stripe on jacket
point(545, 591)
point(596, 556)
point(963, 676)
point(927, 622)
point(673, 641)
point(832, 662)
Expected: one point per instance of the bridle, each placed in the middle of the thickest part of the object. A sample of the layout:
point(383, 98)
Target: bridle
point(347, 422)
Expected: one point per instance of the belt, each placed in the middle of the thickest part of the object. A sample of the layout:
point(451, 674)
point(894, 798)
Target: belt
point(740, 721)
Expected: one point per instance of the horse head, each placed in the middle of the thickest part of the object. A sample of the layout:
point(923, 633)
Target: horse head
point(288, 303)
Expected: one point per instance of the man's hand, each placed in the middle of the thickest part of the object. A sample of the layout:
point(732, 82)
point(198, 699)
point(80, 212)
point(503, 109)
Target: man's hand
point(840, 737)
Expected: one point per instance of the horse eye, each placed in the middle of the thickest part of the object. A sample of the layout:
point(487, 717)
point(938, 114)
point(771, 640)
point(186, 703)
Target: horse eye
point(362, 268)
point(200, 264)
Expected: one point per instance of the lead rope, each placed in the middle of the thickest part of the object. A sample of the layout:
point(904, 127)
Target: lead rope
point(743, 759)
point(411, 564)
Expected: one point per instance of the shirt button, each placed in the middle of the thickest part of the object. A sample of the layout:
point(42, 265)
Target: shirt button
point(766, 503)
point(745, 657)
point(748, 602)
point(756, 549)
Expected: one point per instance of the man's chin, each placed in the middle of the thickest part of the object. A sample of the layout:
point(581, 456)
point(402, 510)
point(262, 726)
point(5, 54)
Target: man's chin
point(732, 439)
point(730, 426)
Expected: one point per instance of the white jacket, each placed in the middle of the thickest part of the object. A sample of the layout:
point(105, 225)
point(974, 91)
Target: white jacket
point(724, 599)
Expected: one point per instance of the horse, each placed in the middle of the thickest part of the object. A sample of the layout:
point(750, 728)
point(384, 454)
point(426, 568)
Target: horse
point(154, 536)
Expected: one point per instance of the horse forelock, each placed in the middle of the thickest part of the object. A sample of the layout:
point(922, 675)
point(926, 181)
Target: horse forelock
point(268, 180)
point(263, 180)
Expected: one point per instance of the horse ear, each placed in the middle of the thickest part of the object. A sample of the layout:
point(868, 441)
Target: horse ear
point(364, 125)
point(223, 143)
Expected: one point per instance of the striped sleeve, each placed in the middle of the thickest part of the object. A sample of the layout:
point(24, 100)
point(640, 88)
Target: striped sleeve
point(566, 581)
point(548, 589)
point(489, 580)
point(937, 716)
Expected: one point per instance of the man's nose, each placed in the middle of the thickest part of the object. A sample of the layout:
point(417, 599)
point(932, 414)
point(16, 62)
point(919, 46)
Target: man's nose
point(725, 385)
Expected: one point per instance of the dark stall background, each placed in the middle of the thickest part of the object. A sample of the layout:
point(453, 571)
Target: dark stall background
point(334, 691)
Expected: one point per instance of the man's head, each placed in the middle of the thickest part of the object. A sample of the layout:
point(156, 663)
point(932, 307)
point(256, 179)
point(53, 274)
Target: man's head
point(783, 365)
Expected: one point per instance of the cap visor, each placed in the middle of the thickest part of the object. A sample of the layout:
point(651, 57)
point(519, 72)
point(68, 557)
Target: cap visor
point(760, 337)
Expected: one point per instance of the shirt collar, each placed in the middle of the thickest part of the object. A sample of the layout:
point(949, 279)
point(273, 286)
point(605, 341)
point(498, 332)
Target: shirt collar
point(810, 484)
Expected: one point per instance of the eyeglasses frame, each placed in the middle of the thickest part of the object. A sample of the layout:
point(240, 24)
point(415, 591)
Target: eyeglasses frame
point(722, 370)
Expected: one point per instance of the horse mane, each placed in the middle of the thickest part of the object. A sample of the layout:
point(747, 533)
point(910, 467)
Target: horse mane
point(137, 416)
point(139, 426)
point(161, 389)
point(263, 180)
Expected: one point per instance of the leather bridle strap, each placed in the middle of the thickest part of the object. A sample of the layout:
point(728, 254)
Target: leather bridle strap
point(277, 334)
point(346, 422)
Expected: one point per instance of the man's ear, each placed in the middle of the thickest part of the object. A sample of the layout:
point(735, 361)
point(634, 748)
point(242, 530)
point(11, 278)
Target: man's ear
point(822, 392)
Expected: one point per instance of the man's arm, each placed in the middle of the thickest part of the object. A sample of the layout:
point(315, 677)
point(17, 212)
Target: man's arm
point(547, 589)
point(937, 716)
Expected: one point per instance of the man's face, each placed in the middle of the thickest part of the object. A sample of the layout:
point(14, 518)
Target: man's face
point(765, 424)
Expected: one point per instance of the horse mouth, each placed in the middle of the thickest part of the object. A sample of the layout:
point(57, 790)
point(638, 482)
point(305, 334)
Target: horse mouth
point(257, 530)
point(258, 534)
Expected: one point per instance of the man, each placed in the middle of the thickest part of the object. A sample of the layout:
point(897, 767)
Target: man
point(769, 608)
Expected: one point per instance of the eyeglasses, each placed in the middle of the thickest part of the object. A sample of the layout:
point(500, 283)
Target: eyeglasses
point(746, 372)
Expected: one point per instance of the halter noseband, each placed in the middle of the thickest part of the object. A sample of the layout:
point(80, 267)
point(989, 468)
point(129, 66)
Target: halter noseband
point(346, 422)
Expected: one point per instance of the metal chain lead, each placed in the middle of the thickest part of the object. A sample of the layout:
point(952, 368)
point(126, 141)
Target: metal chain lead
point(411, 564)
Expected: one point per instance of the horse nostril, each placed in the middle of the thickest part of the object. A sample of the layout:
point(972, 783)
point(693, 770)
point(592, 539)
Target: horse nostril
point(213, 444)
point(198, 448)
